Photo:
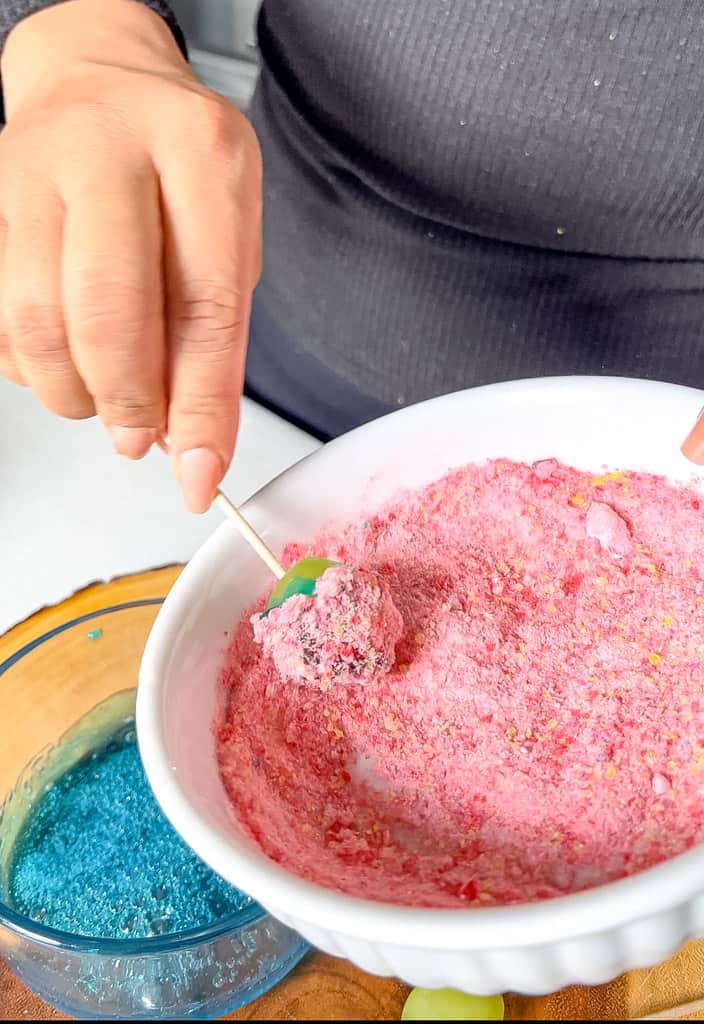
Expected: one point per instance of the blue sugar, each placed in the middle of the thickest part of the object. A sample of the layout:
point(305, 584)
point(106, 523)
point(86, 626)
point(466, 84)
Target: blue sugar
point(98, 858)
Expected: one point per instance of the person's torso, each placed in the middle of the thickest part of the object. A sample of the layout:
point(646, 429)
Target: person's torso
point(460, 191)
point(513, 119)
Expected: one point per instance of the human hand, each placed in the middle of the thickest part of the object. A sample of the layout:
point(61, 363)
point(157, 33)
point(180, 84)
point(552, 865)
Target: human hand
point(130, 207)
point(693, 445)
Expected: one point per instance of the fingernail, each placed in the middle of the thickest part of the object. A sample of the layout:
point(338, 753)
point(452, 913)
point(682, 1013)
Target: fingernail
point(200, 472)
point(693, 445)
point(133, 442)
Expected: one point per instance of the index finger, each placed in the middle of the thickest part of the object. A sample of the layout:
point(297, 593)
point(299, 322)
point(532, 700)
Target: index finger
point(211, 259)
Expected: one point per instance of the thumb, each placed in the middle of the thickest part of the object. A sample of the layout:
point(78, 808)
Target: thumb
point(693, 444)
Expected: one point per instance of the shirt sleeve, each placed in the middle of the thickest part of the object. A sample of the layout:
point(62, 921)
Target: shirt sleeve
point(13, 11)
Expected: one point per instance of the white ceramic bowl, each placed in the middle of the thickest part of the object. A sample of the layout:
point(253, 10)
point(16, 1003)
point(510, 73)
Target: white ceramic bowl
point(588, 937)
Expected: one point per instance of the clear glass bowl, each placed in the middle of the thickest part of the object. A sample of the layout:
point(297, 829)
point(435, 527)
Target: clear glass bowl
point(46, 686)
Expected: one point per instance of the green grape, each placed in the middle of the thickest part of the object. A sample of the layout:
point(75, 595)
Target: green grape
point(448, 1004)
point(300, 579)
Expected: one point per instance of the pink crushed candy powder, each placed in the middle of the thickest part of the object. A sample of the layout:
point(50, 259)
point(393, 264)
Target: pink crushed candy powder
point(345, 634)
point(541, 730)
point(661, 784)
point(609, 528)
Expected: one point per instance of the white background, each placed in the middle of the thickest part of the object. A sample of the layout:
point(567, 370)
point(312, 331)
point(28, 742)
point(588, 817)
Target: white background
point(72, 512)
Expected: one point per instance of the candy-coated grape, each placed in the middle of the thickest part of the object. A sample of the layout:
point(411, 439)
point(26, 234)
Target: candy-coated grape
point(448, 1004)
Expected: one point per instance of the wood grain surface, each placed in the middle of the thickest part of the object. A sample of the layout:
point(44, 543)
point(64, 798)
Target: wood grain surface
point(321, 987)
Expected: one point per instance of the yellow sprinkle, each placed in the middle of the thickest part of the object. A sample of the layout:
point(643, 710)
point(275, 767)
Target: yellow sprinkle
point(579, 846)
point(552, 609)
point(552, 724)
point(601, 581)
point(650, 757)
point(672, 766)
point(611, 771)
point(577, 499)
point(687, 564)
point(338, 733)
point(654, 658)
point(599, 481)
point(667, 620)
point(556, 837)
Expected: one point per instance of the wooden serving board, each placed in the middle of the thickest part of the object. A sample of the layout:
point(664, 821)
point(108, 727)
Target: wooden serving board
point(321, 987)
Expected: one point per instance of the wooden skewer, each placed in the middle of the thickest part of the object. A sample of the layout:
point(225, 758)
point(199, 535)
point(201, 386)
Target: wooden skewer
point(250, 535)
point(676, 1012)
